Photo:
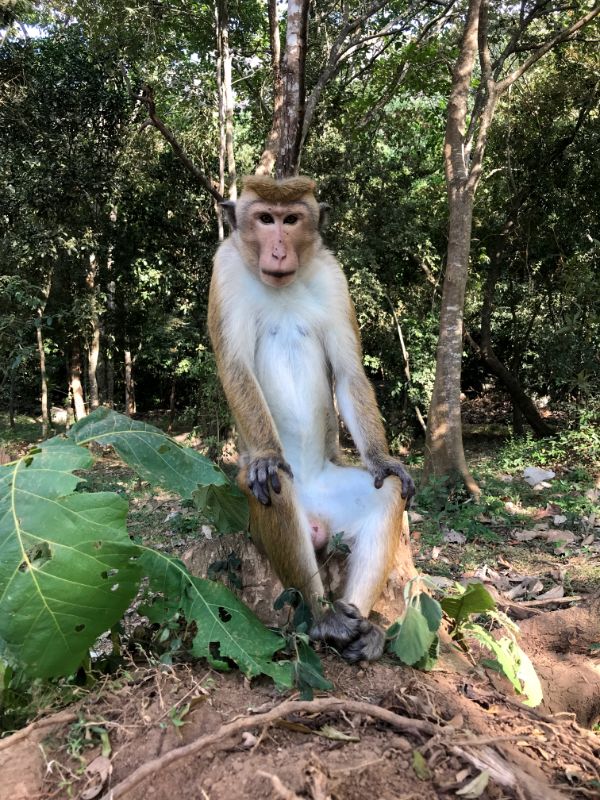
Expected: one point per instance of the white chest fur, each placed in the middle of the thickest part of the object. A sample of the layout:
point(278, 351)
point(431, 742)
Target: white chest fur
point(292, 370)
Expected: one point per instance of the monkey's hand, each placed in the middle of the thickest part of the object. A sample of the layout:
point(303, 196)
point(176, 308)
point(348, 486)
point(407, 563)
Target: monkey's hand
point(354, 637)
point(263, 470)
point(392, 466)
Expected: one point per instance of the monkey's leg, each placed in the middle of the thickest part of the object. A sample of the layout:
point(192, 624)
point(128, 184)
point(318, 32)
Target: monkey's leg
point(371, 521)
point(282, 531)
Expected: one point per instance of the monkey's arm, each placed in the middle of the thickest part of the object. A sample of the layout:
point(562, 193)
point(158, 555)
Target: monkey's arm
point(358, 405)
point(248, 405)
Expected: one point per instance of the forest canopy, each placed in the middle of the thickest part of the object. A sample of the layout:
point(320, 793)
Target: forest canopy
point(121, 124)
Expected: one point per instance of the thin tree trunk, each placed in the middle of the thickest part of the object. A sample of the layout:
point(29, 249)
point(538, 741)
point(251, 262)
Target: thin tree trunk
point(222, 135)
point(130, 407)
point(444, 452)
point(94, 343)
point(109, 368)
point(293, 88)
point(11, 400)
point(172, 399)
point(43, 376)
point(418, 413)
point(42, 356)
point(76, 389)
point(269, 156)
point(229, 102)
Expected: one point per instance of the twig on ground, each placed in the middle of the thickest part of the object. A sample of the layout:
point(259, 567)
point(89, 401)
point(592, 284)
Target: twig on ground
point(280, 788)
point(62, 718)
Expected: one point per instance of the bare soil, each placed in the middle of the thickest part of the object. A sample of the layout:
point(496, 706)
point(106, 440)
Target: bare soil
point(544, 753)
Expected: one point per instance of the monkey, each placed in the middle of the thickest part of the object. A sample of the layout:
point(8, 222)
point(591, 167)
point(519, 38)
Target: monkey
point(287, 346)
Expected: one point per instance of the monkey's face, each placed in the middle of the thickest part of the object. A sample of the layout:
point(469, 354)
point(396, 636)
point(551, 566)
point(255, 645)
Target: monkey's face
point(279, 239)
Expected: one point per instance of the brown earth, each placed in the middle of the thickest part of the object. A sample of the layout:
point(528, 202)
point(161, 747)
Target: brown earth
point(475, 724)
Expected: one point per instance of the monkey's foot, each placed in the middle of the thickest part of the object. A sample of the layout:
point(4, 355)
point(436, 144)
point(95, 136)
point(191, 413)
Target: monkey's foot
point(352, 635)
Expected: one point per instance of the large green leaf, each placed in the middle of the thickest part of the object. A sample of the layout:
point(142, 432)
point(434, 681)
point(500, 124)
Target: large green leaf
point(225, 627)
point(162, 461)
point(68, 570)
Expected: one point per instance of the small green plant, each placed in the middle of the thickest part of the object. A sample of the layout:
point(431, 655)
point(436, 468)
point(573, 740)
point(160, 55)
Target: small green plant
point(308, 670)
point(509, 659)
point(413, 638)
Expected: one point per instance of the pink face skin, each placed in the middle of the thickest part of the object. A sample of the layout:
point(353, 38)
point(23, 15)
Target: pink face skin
point(282, 233)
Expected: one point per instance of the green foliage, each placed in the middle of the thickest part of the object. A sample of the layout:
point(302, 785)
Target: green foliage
point(68, 570)
point(413, 638)
point(577, 447)
point(162, 461)
point(306, 664)
point(473, 601)
point(226, 630)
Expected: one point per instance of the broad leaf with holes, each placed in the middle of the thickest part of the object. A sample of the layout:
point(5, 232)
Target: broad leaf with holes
point(164, 462)
point(226, 629)
point(68, 570)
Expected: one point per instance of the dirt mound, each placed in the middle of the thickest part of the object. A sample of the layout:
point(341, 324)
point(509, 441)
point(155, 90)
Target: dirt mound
point(386, 732)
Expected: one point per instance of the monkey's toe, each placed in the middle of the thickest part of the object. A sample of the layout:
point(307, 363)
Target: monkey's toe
point(368, 646)
point(338, 626)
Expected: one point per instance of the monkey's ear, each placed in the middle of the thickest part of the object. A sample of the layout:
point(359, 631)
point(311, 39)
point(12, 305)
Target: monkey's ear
point(324, 209)
point(228, 207)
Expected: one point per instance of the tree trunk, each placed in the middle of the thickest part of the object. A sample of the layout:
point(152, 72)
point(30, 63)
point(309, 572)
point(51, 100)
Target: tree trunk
point(444, 453)
point(269, 156)
point(76, 389)
point(172, 399)
point(109, 373)
point(109, 364)
point(43, 375)
point(11, 400)
point(129, 385)
point(464, 149)
point(261, 587)
point(222, 135)
point(229, 103)
point(94, 342)
point(293, 88)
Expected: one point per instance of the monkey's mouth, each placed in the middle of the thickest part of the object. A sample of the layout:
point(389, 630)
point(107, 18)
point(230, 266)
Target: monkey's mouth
point(278, 275)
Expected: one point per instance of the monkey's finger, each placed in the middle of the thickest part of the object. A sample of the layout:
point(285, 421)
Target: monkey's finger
point(379, 481)
point(408, 486)
point(283, 465)
point(261, 493)
point(275, 482)
point(261, 474)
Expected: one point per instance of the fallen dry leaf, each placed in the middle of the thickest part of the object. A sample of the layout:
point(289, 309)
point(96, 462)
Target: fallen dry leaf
point(97, 773)
point(553, 594)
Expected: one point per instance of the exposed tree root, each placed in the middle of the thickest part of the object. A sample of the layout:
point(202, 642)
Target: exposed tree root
point(63, 718)
point(503, 773)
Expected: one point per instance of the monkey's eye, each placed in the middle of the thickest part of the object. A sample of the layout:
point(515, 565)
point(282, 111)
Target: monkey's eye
point(267, 219)
point(291, 219)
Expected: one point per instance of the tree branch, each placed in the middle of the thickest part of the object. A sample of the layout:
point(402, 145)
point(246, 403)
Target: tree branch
point(563, 36)
point(147, 98)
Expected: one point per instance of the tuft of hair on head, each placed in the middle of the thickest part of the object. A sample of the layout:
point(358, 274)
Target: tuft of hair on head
point(285, 190)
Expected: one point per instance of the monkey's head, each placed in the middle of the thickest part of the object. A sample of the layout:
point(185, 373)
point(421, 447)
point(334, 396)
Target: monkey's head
point(276, 226)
